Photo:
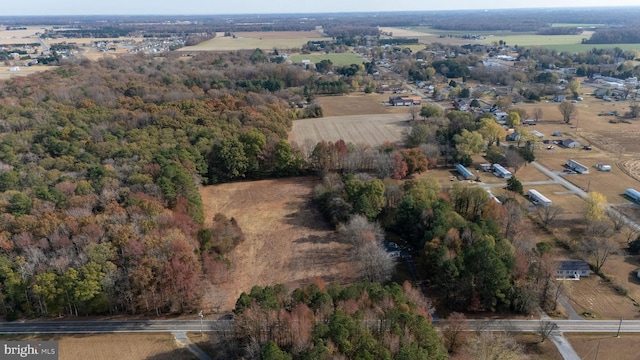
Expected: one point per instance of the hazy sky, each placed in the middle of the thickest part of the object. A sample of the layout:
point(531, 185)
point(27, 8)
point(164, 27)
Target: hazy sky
point(175, 7)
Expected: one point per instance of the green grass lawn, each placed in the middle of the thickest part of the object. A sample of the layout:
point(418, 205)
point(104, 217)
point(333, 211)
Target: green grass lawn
point(575, 25)
point(341, 59)
point(567, 43)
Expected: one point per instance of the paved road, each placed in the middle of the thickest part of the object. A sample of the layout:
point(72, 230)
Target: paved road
point(599, 326)
point(96, 327)
point(91, 327)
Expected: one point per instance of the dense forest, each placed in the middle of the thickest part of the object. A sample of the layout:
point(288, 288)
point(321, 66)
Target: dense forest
point(100, 164)
point(361, 321)
point(624, 35)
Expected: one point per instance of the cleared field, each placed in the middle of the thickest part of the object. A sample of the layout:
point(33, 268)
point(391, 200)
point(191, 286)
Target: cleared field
point(604, 346)
point(28, 36)
point(359, 129)
point(358, 104)
point(24, 71)
point(133, 346)
point(575, 25)
point(566, 43)
point(287, 240)
point(538, 40)
point(253, 40)
point(342, 59)
point(530, 343)
point(577, 48)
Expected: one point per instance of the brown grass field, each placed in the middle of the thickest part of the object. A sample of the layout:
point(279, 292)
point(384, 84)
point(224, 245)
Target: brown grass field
point(28, 36)
point(423, 37)
point(253, 40)
point(122, 346)
point(530, 343)
point(24, 71)
point(605, 346)
point(287, 240)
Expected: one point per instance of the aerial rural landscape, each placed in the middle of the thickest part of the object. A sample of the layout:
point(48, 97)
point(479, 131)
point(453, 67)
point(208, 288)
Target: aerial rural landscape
point(450, 184)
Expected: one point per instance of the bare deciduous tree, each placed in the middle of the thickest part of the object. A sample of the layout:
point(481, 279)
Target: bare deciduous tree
point(537, 114)
point(597, 244)
point(453, 329)
point(546, 329)
point(568, 111)
point(374, 262)
point(414, 112)
point(514, 159)
point(492, 345)
point(629, 233)
point(617, 219)
point(547, 214)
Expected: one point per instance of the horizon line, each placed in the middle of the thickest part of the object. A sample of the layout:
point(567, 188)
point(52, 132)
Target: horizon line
point(338, 12)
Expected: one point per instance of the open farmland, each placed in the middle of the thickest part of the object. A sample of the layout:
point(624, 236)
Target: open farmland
point(359, 129)
point(340, 59)
point(253, 40)
point(566, 43)
point(27, 36)
point(287, 240)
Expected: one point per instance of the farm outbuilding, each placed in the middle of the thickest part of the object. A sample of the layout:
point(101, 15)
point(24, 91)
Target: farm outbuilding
point(570, 143)
point(573, 269)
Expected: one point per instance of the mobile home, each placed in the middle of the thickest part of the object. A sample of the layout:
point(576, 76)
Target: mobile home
point(538, 198)
point(464, 172)
point(499, 171)
point(633, 194)
point(577, 167)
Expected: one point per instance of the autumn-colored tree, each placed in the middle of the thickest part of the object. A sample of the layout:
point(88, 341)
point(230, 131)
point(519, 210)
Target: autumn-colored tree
point(415, 160)
point(594, 206)
point(492, 132)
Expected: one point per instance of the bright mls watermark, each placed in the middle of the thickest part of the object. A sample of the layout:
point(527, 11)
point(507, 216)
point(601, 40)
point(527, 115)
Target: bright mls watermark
point(40, 350)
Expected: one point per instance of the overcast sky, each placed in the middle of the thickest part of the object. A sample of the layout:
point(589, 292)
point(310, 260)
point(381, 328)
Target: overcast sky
point(215, 7)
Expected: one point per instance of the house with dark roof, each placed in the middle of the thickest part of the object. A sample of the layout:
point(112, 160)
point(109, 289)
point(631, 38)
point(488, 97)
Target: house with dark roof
point(559, 98)
point(570, 143)
point(573, 269)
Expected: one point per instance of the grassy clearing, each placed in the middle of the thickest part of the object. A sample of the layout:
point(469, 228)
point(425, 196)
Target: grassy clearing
point(536, 40)
point(577, 48)
point(575, 25)
point(342, 59)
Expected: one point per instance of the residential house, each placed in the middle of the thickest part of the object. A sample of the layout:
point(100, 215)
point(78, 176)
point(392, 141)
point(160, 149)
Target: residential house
point(573, 269)
point(600, 93)
point(514, 136)
point(405, 100)
point(570, 143)
point(559, 98)
point(390, 89)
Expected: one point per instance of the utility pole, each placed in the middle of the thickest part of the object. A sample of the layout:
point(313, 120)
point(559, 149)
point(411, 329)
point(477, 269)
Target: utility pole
point(201, 316)
point(619, 326)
